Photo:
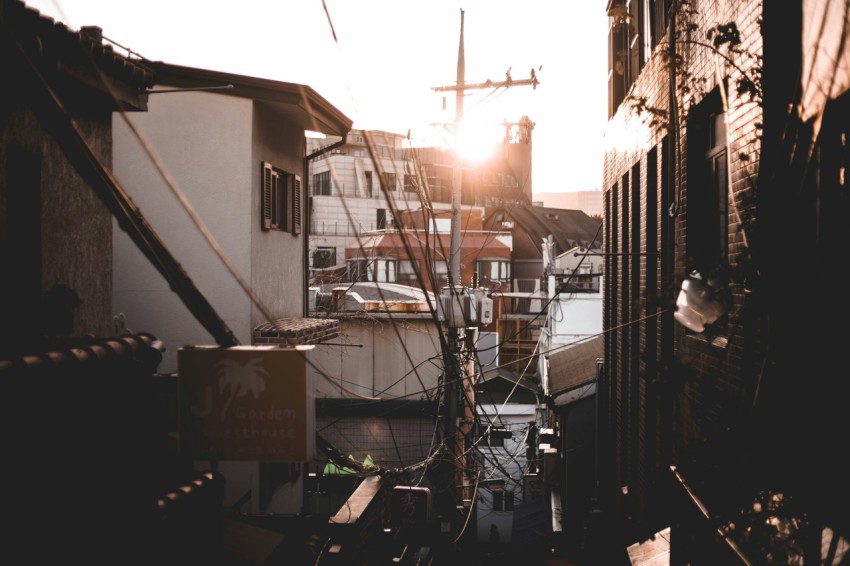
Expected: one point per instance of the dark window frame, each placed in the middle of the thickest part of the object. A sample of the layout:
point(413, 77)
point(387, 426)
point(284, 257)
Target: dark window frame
point(322, 185)
point(410, 184)
point(388, 180)
point(281, 199)
point(707, 202)
point(324, 257)
point(369, 184)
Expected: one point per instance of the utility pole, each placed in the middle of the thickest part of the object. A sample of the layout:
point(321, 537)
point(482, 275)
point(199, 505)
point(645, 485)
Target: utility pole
point(462, 310)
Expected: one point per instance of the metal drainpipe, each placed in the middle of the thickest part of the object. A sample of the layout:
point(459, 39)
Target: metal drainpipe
point(308, 220)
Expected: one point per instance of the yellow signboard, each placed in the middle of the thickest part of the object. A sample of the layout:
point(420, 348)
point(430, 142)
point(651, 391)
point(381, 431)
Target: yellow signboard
point(246, 403)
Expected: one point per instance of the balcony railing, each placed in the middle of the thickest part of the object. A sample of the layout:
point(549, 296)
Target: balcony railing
point(578, 283)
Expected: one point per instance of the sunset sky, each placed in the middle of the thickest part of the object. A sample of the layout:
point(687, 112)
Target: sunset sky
point(388, 57)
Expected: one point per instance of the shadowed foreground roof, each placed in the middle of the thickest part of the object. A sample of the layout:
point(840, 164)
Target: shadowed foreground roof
point(574, 366)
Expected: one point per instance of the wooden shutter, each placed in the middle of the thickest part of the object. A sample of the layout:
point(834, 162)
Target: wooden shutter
point(296, 204)
point(266, 197)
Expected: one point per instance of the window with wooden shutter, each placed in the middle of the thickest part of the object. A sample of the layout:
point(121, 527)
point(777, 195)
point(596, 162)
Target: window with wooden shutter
point(281, 200)
point(296, 204)
point(266, 208)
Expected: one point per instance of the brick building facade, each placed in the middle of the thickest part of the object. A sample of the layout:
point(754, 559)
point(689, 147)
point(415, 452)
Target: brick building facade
point(720, 410)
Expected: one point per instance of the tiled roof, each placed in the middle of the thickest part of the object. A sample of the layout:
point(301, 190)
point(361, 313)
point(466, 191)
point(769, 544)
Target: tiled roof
point(485, 243)
point(296, 331)
point(57, 50)
point(574, 366)
point(569, 228)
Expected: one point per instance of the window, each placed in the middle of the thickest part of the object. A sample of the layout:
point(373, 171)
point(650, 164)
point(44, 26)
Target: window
point(381, 219)
point(503, 500)
point(281, 200)
point(406, 273)
point(377, 270)
point(357, 270)
point(389, 181)
point(497, 436)
point(322, 183)
point(368, 183)
point(324, 257)
point(708, 189)
point(493, 271)
point(441, 271)
point(658, 10)
point(383, 271)
point(410, 184)
point(707, 200)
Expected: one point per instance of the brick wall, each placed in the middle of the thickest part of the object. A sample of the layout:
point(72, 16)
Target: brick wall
point(665, 391)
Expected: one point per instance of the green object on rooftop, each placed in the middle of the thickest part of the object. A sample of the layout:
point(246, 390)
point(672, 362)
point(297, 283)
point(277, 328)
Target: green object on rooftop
point(332, 468)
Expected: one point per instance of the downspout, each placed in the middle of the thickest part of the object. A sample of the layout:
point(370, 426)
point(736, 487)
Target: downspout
point(673, 110)
point(668, 258)
point(307, 216)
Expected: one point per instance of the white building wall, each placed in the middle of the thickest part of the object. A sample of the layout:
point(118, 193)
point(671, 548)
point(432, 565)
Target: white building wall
point(278, 259)
point(212, 146)
point(399, 359)
point(337, 219)
point(204, 142)
point(574, 317)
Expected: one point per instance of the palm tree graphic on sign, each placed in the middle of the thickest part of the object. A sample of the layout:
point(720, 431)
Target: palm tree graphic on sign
point(240, 380)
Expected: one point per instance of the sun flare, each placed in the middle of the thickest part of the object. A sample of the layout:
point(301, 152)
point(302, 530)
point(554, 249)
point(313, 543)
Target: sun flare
point(479, 140)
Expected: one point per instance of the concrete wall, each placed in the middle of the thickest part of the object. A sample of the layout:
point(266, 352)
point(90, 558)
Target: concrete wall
point(389, 365)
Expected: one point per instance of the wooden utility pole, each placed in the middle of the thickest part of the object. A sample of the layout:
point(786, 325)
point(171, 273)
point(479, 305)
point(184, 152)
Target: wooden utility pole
point(462, 310)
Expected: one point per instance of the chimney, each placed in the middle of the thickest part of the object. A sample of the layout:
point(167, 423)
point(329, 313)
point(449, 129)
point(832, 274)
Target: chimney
point(92, 33)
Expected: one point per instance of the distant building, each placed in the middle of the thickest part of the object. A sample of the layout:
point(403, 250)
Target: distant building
point(535, 231)
point(363, 181)
point(419, 255)
point(589, 202)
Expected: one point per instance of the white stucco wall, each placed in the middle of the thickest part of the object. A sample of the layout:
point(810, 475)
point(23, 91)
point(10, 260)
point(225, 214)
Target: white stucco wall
point(204, 143)
point(278, 259)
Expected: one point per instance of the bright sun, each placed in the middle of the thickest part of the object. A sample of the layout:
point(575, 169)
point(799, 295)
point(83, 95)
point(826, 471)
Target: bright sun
point(478, 140)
